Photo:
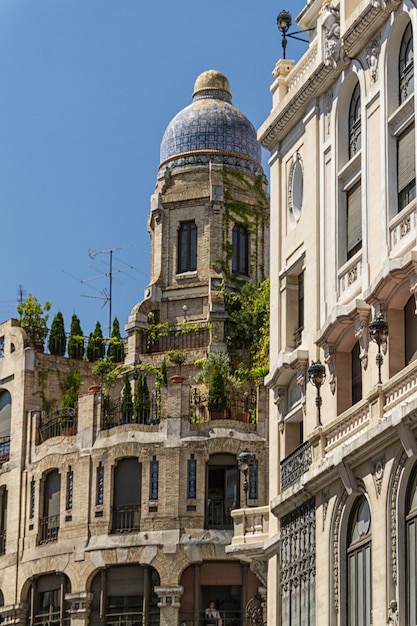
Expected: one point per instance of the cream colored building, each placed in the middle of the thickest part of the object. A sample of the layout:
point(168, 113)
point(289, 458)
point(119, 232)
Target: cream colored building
point(339, 537)
point(118, 514)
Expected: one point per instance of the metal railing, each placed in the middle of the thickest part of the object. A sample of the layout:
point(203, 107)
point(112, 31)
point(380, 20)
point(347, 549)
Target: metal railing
point(218, 514)
point(228, 617)
point(4, 449)
point(132, 618)
point(59, 423)
point(173, 339)
point(240, 405)
point(114, 414)
point(295, 465)
point(126, 517)
point(49, 527)
point(52, 618)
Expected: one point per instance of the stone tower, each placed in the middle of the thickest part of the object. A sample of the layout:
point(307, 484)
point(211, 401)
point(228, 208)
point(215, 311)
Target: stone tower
point(209, 218)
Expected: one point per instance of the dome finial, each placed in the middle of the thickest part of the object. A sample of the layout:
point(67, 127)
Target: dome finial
point(212, 80)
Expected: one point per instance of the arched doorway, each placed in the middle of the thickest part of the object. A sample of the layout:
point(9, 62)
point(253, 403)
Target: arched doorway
point(46, 600)
point(123, 595)
point(229, 584)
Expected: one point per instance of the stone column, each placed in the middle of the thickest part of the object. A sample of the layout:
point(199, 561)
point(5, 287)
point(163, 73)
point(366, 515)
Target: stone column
point(14, 614)
point(79, 609)
point(169, 604)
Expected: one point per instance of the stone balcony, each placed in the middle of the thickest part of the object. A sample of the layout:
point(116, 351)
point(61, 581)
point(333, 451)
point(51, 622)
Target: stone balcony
point(251, 530)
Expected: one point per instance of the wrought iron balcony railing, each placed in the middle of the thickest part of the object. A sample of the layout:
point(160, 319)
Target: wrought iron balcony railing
point(295, 465)
point(126, 517)
point(49, 527)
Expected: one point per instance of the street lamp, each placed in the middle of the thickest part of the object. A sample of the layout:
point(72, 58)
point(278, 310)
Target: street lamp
point(317, 375)
point(245, 460)
point(378, 332)
point(284, 21)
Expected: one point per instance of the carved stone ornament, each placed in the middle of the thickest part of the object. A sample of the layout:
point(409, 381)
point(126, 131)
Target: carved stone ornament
point(259, 568)
point(393, 619)
point(378, 474)
point(329, 106)
point(330, 360)
point(325, 499)
point(362, 335)
point(393, 516)
point(372, 57)
point(386, 5)
point(413, 290)
point(334, 54)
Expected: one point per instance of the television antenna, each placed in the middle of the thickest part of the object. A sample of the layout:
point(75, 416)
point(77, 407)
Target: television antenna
point(106, 294)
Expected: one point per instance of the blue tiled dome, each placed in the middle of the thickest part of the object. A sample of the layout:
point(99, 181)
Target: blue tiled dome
point(211, 129)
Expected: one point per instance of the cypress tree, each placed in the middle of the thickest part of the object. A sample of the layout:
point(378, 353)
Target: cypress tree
point(115, 351)
point(127, 402)
point(57, 342)
point(95, 347)
point(76, 339)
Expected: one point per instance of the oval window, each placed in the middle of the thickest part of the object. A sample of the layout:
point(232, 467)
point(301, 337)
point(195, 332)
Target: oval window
point(296, 187)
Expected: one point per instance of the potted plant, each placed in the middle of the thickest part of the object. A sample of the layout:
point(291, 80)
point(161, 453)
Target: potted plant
point(177, 357)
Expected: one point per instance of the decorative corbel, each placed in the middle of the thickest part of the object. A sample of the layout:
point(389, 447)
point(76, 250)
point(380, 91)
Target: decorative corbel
point(259, 568)
point(413, 289)
point(372, 57)
point(330, 360)
point(301, 373)
point(362, 335)
point(334, 54)
point(280, 401)
point(378, 474)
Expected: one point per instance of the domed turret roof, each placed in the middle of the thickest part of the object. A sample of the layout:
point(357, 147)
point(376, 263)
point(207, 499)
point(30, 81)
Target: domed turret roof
point(212, 129)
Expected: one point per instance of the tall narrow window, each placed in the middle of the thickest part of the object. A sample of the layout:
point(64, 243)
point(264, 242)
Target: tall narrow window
point(406, 65)
point(192, 477)
point(355, 122)
point(32, 498)
point(240, 242)
point(70, 489)
point(127, 490)
point(3, 520)
point(353, 220)
point(411, 538)
point(187, 247)
point(356, 372)
point(49, 524)
point(298, 566)
point(300, 310)
point(406, 167)
point(253, 480)
point(100, 485)
point(153, 479)
point(359, 565)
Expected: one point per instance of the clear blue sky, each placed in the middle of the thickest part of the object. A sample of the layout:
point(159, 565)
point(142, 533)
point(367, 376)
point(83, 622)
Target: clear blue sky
point(87, 88)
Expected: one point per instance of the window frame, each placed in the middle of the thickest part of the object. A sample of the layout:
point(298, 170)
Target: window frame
point(187, 247)
point(240, 245)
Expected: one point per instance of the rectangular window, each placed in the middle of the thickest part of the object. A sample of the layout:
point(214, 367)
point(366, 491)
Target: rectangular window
point(1, 347)
point(253, 481)
point(70, 485)
point(406, 167)
point(192, 478)
point(240, 243)
point(153, 479)
point(187, 247)
point(353, 221)
point(32, 499)
point(100, 485)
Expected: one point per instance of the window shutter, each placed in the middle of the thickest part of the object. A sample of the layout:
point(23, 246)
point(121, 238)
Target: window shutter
point(353, 221)
point(406, 158)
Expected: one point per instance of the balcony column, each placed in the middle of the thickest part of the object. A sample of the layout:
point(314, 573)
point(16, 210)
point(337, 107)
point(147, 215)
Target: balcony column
point(244, 597)
point(197, 572)
point(103, 595)
point(146, 595)
point(169, 604)
point(79, 607)
point(15, 615)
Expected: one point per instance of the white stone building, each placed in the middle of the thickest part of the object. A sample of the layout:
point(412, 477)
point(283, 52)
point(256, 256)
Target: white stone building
point(339, 538)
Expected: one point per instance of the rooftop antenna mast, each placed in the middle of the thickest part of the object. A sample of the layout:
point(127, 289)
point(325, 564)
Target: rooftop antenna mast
point(107, 297)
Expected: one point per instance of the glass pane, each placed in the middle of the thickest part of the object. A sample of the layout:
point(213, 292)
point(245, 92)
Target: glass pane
point(412, 585)
point(368, 586)
point(351, 592)
point(360, 590)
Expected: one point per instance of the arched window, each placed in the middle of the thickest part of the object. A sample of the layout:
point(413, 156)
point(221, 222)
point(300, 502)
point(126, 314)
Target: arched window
point(355, 122)
point(356, 371)
point(406, 65)
point(127, 495)
point(359, 565)
point(410, 331)
point(49, 523)
point(47, 600)
point(5, 420)
point(240, 242)
point(187, 247)
point(411, 541)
